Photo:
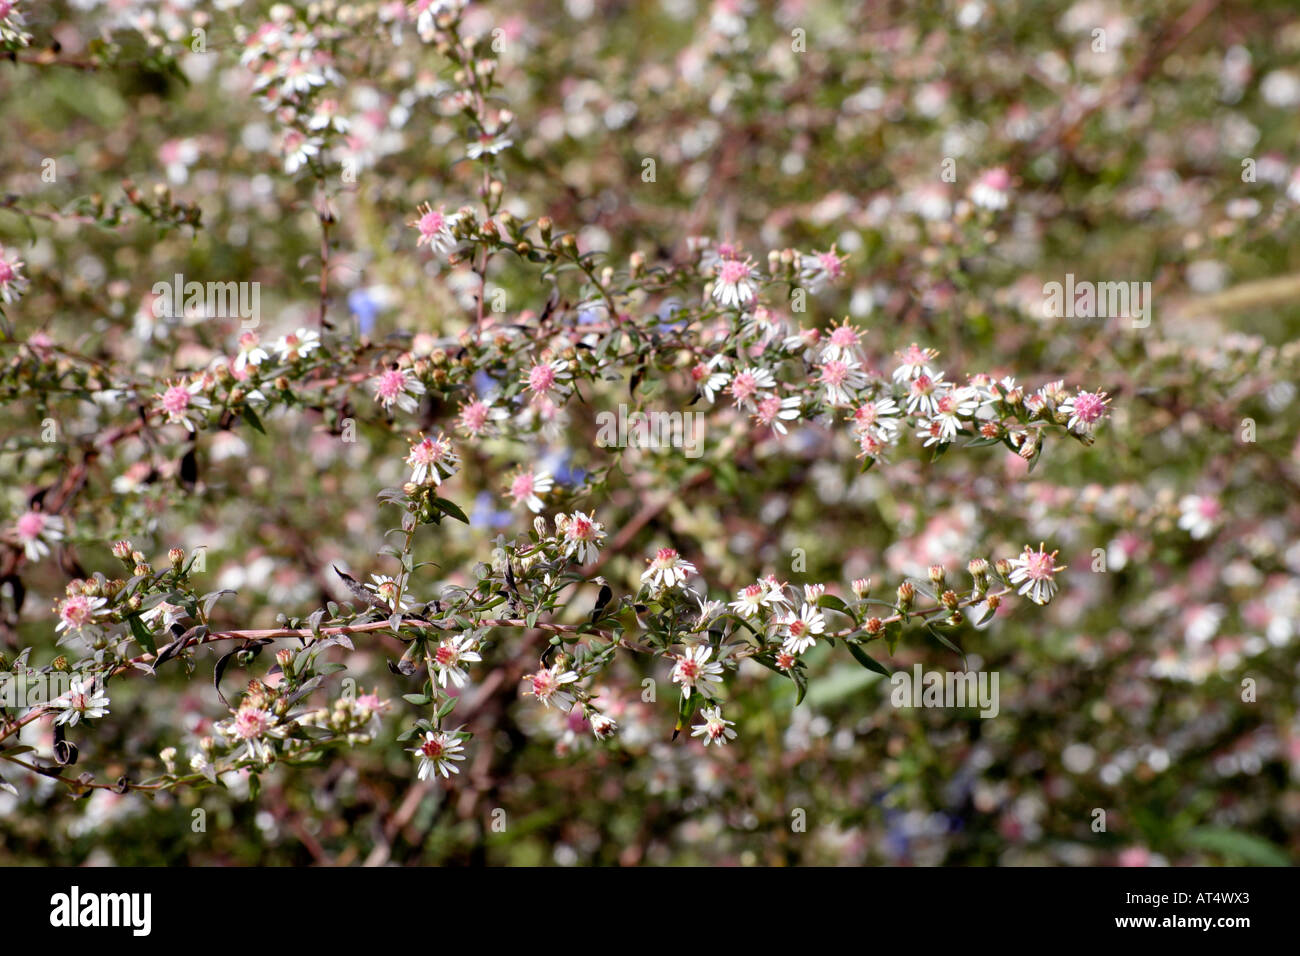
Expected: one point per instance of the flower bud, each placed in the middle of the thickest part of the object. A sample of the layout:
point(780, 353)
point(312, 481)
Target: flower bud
point(1003, 567)
point(949, 599)
point(143, 570)
point(861, 587)
point(122, 549)
point(874, 626)
point(937, 574)
point(906, 592)
point(544, 226)
point(994, 602)
point(636, 264)
point(284, 657)
point(177, 558)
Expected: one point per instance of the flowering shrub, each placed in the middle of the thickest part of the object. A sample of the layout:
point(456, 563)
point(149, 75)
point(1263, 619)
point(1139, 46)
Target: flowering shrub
point(495, 417)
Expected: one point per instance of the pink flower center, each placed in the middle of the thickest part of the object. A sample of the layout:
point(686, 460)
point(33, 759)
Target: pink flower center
point(1088, 407)
point(922, 385)
point(866, 414)
point(732, 271)
point(541, 377)
point(580, 529)
point(31, 525)
point(834, 373)
point(844, 336)
point(666, 557)
point(432, 223)
point(522, 486)
point(250, 723)
point(544, 684)
point(797, 627)
point(1039, 565)
point(690, 670)
point(743, 386)
point(433, 748)
point(176, 400)
point(768, 409)
point(6, 270)
point(947, 405)
point(446, 655)
point(391, 384)
point(76, 610)
point(1208, 508)
point(474, 416)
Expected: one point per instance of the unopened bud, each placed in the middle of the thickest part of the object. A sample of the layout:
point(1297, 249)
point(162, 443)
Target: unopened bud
point(949, 599)
point(177, 558)
point(861, 587)
point(937, 573)
point(122, 549)
point(875, 626)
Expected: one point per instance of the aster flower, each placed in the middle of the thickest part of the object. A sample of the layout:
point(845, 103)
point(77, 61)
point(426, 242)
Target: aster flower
point(12, 22)
point(1035, 572)
point(602, 727)
point(487, 145)
point(77, 613)
point(431, 460)
point(992, 189)
point(914, 361)
point(437, 754)
point(163, 615)
point(801, 630)
point(297, 344)
point(426, 12)
point(842, 378)
point(879, 417)
point(582, 536)
point(399, 387)
point(479, 418)
point(818, 269)
point(389, 591)
point(547, 685)
point(451, 654)
point(526, 488)
point(734, 285)
point(668, 569)
point(253, 726)
point(715, 729)
point(1200, 515)
point(695, 672)
point(708, 378)
point(435, 228)
point(35, 531)
point(924, 393)
point(1085, 410)
point(752, 599)
point(774, 411)
point(85, 700)
point(12, 282)
point(750, 384)
point(949, 409)
point(182, 404)
point(250, 352)
point(298, 149)
point(841, 343)
point(546, 378)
